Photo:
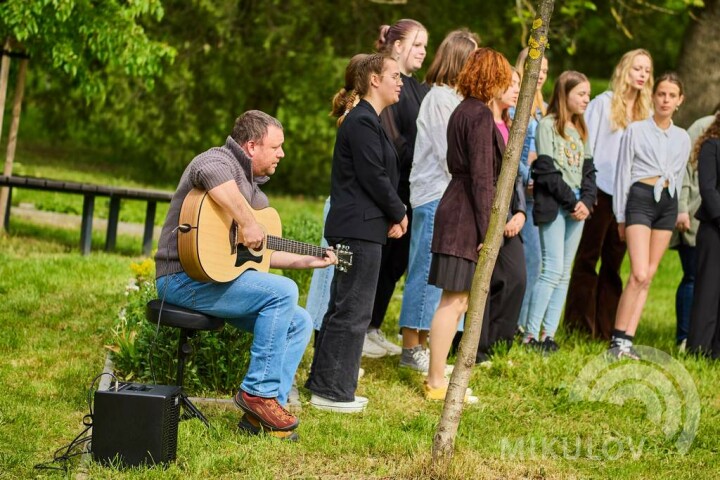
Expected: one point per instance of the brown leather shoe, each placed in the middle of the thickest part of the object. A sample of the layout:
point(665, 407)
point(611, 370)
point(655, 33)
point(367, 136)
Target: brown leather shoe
point(268, 412)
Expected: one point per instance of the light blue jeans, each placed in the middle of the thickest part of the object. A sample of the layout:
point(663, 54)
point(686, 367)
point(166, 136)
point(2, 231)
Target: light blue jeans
point(262, 303)
point(319, 293)
point(531, 246)
point(420, 299)
point(559, 241)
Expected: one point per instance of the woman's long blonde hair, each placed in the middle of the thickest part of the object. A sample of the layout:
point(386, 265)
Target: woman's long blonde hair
point(538, 100)
point(619, 86)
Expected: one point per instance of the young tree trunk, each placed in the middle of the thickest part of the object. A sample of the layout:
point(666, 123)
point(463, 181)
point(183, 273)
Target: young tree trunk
point(444, 440)
point(698, 64)
point(12, 138)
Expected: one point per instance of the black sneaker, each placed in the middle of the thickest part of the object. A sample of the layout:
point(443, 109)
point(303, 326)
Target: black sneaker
point(549, 345)
point(531, 343)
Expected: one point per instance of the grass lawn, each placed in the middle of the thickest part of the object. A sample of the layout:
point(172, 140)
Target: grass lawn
point(58, 309)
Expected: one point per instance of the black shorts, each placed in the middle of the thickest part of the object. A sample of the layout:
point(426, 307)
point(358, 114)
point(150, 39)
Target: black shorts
point(642, 209)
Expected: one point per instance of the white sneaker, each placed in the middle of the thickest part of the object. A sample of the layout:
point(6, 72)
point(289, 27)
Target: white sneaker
point(372, 349)
point(378, 337)
point(416, 358)
point(361, 372)
point(322, 403)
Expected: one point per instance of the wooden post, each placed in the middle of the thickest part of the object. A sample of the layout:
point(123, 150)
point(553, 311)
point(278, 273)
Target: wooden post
point(86, 224)
point(149, 227)
point(12, 137)
point(4, 74)
point(112, 225)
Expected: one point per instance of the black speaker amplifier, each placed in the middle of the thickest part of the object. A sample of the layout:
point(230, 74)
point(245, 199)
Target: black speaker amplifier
point(136, 424)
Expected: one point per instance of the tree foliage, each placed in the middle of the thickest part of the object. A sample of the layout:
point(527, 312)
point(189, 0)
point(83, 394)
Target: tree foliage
point(87, 41)
point(284, 57)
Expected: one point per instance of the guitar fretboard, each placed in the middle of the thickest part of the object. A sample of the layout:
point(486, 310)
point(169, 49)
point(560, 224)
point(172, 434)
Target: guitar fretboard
point(293, 246)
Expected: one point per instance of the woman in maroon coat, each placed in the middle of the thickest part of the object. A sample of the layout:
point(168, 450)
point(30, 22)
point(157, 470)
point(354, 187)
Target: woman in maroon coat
point(474, 156)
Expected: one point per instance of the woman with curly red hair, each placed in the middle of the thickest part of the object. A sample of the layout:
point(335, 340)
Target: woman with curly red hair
point(474, 155)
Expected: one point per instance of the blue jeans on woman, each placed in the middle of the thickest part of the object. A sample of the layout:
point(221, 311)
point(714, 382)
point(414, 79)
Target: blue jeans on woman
point(264, 304)
point(559, 241)
point(319, 293)
point(420, 299)
point(531, 247)
point(685, 291)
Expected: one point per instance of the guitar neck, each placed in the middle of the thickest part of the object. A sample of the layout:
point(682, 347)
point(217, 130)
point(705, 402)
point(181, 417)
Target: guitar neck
point(293, 246)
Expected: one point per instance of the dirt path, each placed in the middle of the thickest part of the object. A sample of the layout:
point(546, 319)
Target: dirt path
point(29, 212)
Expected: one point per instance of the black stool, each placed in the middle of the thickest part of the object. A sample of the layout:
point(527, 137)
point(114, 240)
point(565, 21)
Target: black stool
point(189, 322)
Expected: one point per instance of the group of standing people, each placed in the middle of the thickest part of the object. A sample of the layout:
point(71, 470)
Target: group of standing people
point(616, 163)
point(414, 173)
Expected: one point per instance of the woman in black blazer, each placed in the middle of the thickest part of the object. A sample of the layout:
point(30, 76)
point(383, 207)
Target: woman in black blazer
point(365, 210)
point(704, 335)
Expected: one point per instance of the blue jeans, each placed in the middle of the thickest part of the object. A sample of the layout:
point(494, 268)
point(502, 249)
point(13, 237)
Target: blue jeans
point(319, 293)
point(420, 299)
point(684, 294)
point(559, 241)
point(531, 247)
point(262, 303)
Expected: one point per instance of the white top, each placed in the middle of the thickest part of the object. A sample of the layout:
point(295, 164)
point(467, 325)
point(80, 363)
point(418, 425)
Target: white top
point(603, 140)
point(429, 176)
point(647, 151)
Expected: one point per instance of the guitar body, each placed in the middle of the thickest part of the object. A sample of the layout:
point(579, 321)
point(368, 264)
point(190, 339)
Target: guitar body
point(211, 251)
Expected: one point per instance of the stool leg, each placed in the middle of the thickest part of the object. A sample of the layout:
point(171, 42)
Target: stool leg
point(184, 349)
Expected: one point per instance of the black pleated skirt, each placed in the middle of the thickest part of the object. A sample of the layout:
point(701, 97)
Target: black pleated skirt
point(451, 273)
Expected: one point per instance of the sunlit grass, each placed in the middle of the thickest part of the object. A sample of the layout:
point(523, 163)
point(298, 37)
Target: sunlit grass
point(58, 308)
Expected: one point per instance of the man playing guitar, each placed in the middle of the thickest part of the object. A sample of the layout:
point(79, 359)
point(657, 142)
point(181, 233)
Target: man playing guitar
point(262, 303)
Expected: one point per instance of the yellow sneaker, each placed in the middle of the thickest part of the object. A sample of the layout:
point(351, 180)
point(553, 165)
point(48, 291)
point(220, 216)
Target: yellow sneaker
point(439, 393)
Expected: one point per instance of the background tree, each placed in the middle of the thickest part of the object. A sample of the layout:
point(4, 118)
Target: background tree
point(699, 64)
point(283, 57)
point(87, 41)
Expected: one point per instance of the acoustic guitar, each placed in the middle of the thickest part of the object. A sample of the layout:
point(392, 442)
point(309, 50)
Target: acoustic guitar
point(209, 241)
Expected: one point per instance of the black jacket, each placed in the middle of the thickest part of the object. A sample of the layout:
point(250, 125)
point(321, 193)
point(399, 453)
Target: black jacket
point(363, 187)
point(400, 123)
point(550, 191)
point(709, 182)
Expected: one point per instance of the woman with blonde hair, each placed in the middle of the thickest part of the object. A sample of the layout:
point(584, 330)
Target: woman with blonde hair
point(593, 296)
point(429, 177)
point(474, 155)
point(650, 170)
